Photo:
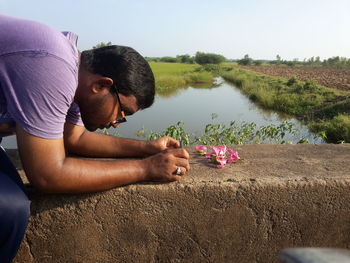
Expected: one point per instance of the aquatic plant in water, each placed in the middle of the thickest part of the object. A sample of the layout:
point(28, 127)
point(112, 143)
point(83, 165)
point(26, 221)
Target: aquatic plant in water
point(222, 134)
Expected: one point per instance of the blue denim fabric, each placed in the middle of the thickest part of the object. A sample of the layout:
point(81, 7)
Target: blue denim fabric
point(14, 209)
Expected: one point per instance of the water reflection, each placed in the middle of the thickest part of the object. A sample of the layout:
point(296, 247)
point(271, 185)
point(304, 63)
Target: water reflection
point(170, 92)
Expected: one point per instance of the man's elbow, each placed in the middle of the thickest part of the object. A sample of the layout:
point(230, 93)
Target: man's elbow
point(44, 183)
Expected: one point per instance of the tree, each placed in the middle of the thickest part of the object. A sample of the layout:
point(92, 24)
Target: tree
point(208, 58)
point(103, 44)
point(245, 61)
point(278, 59)
point(185, 59)
point(311, 60)
point(152, 59)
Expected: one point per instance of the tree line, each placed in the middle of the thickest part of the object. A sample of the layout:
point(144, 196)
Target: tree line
point(200, 58)
point(211, 58)
point(333, 62)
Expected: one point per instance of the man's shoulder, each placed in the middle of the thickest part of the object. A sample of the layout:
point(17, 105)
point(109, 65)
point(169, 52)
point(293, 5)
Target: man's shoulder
point(20, 35)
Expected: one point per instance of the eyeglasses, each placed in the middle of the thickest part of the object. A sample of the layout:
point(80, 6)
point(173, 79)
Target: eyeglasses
point(117, 121)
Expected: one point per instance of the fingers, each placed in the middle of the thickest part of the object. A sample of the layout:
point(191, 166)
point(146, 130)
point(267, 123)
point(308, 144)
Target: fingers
point(168, 165)
point(179, 152)
point(181, 157)
point(162, 144)
point(183, 164)
point(171, 142)
point(179, 171)
point(173, 178)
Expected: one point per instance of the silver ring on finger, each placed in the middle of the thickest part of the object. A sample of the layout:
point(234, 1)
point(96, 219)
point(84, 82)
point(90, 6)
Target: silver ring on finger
point(178, 170)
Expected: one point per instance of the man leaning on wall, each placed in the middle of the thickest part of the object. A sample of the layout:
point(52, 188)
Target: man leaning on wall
point(54, 98)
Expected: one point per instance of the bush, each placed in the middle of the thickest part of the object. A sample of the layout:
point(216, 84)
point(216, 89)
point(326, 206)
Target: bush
point(152, 59)
point(257, 62)
point(336, 130)
point(168, 59)
point(226, 68)
point(170, 81)
point(291, 63)
point(198, 77)
point(310, 86)
point(293, 80)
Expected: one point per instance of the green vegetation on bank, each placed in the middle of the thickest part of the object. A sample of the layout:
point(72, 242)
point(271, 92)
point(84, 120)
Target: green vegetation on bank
point(327, 111)
point(176, 75)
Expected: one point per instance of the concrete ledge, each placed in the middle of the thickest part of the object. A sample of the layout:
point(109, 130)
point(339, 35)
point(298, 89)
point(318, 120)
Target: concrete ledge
point(279, 196)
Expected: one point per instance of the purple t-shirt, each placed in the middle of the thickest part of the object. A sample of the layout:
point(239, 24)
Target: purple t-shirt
point(38, 78)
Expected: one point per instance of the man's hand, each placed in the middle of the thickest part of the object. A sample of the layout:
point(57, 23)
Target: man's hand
point(162, 144)
point(162, 166)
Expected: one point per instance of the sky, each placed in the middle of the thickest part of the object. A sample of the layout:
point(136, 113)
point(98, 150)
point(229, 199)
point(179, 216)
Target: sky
point(155, 28)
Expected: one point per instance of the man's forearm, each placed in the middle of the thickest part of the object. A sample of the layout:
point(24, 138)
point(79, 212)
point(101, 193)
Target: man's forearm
point(79, 141)
point(84, 176)
point(92, 144)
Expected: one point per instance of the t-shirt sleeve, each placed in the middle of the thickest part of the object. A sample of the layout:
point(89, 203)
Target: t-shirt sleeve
point(39, 90)
point(74, 116)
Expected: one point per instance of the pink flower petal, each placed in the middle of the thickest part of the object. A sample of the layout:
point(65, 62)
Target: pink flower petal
point(219, 150)
point(201, 149)
point(208, 155)
point(233, 156)
point(221, 160)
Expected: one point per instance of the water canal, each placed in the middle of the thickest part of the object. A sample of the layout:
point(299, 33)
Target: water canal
point(195, 106)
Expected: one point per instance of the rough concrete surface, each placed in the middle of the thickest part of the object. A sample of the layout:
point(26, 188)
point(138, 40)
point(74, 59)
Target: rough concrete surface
point(278, 196)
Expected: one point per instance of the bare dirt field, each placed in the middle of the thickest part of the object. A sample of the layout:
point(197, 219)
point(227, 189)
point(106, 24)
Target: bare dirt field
point(331, 78)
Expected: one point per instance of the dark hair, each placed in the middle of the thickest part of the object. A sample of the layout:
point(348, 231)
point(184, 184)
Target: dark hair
point(129, 70)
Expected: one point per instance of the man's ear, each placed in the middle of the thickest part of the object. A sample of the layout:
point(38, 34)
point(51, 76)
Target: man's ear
point(102, 84)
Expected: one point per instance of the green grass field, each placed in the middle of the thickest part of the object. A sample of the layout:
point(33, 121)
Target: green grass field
point(160, 68)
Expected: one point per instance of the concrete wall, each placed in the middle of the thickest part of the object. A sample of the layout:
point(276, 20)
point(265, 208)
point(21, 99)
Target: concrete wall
point(279, 196)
